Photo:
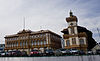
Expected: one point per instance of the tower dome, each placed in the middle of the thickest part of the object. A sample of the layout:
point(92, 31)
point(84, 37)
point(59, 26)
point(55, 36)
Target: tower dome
point(71, 18)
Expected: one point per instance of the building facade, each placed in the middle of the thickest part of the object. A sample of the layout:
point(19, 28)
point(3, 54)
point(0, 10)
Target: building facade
point(26, 40)
point(76, 36)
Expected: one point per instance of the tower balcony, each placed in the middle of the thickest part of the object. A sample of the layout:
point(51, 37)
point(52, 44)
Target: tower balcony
point(66, 36)
point(82, 34)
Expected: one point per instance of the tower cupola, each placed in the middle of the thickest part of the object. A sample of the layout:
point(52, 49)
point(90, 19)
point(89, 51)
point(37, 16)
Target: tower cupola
point(71, 18)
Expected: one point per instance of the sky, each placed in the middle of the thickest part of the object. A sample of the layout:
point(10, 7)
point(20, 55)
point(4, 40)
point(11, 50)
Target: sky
point(47, 15)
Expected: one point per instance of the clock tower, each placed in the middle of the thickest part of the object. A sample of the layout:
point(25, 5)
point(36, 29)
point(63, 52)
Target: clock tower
point(73, 38)
point(72, 24)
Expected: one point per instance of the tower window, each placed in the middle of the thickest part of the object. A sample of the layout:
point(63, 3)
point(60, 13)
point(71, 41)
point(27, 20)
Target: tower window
point(81, 41)
point(73, 41)
point(72, 30)
point(68, 43)
point(71, 24)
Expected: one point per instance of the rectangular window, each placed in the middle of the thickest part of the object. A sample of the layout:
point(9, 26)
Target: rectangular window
point(20, 43)
point(72, 30)
point(68, 43)
point(81, 41)
point(38, 42)
point(41, 42)
point(32, 42)
point(17, 43)
point(23, 43)
point(44, 42)
point(73, 40)
point(26, 43)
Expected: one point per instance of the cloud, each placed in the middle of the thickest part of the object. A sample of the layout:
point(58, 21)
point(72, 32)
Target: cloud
point(46, 14)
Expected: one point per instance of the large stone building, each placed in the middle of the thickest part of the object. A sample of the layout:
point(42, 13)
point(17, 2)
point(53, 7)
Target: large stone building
point(76, 36)
point(27, 40)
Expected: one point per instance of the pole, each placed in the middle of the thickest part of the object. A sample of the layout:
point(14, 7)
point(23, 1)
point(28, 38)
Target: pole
point(24, 23)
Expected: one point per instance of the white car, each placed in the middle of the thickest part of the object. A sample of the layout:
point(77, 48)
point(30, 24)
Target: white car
point(63, 51)
point(2, 53)
point(89, 52)
point(74, 51)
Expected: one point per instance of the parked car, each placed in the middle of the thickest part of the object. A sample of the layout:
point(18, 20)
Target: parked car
point(17, 53)
point(40, 53)
point(3, 53)
point(34, 53)
point(74, 51)
point(98, 51)
point(48, 52)
point(63, 51)
point(68, 52)
point(24, 53)
point(90, 52)
point(81, 52)
point(8, 53)
point(14, 53)
point(57, 52)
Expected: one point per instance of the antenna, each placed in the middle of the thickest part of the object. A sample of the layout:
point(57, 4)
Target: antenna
point(23, 22)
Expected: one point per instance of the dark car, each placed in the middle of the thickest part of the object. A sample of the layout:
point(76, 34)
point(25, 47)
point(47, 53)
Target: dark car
point(17, 53)
point(8, 53)
point(14, 53)
point(24, 53)
point(48, 52)
point(68, 52)
point(81, 52)
point(98, 51)
point(34, 53)
point(57, 52)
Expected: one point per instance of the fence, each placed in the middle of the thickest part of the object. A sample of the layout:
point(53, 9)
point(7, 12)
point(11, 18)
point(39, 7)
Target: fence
point(57, 58)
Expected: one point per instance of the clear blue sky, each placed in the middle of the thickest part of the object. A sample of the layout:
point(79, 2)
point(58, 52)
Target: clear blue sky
point(47, 14)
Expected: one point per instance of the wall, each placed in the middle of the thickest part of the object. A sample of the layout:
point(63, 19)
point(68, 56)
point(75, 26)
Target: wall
point(60, 58)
